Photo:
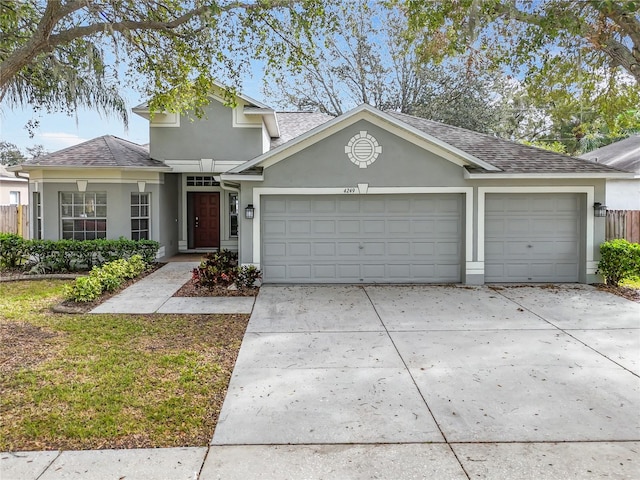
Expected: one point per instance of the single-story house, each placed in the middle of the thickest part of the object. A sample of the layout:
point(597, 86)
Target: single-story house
point(13, 190)
point(366, 197)
point(622, 193)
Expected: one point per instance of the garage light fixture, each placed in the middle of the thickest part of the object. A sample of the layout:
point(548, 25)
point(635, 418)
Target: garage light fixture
point(599, 210)
point(249, 211)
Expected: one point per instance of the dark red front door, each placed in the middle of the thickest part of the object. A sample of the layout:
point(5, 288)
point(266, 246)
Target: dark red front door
point(206, 219)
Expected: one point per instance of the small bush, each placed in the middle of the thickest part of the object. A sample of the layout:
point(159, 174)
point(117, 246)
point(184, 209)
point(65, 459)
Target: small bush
point(85, 289)
point(13, 250)
point(246, 276)
point(217, 268)
point(105, 279)
point(619, 260)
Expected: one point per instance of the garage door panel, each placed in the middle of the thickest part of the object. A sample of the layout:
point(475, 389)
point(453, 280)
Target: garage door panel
point(299, 250)
point(377, 238)
point(348, 226)
point(300, 272)
point(523, 245)
point(324, 249)
point(424, 248)
point(324, 271)
point(399, 226)
point(348, 249)
point(373, 226)
point(275, 249)
point(324, 227)
point(423, 226)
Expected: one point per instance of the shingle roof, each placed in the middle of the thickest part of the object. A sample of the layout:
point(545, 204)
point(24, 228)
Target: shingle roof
point(294, 124)
point(105, 151)
point(624, 154)
point(510, 157)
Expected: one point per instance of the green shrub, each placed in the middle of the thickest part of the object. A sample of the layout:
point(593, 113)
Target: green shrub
point(246, 276)
point(73, 255)
point(217, 268)
point(85, 289)
point(13, 250)
point(107, 278)
point(619, 260)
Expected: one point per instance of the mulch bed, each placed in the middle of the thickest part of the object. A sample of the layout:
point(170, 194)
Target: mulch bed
point(190, 289)
point(632, 294)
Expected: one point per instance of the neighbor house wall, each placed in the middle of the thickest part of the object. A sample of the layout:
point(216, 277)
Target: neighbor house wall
point(623, 194)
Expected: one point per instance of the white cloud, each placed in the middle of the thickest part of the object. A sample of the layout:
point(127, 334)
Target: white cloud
point(53, 141)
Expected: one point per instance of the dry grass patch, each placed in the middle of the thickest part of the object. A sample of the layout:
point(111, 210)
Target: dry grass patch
point(110, 381)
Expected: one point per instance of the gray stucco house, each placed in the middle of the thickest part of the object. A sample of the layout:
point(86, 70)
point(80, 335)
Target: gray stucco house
point(366, 197)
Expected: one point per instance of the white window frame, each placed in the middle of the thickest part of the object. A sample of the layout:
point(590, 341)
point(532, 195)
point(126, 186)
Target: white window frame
point(141, 215)
point(84, 207)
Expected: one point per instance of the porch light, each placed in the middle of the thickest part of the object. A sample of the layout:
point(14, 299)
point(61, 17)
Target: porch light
point(249, 211)
point(599, 210)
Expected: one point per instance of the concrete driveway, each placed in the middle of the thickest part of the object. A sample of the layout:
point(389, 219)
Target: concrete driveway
point(433, 382)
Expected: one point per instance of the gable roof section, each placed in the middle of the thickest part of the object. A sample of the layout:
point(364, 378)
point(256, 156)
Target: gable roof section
point(624, 154)
point(510, 157)
point(102, 152)
point(376, 117)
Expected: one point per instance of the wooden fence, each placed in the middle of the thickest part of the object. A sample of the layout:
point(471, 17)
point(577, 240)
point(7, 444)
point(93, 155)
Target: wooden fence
point(623, 224)
point(14, 219)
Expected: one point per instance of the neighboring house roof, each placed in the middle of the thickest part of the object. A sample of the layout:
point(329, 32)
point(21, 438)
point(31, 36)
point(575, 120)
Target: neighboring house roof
point(294, 124)
point(509, 157)
point(8, 176)
point(102, 152)
point(624, 154)
point(482, 155)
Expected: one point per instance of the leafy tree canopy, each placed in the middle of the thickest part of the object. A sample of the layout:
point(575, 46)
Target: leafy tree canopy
point(56, 55)
point(580, 59)
point(367, 59)
point(10, 154)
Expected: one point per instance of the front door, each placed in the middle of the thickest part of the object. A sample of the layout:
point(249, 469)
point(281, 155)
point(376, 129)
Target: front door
point(205, 219)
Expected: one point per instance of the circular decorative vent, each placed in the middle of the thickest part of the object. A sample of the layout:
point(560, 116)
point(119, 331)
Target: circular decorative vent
point(363, 149)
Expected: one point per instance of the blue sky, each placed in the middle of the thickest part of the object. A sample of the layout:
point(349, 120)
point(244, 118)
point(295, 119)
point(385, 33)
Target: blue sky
point(59, 131)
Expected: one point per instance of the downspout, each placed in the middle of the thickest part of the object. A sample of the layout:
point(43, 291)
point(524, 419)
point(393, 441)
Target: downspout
point(229, 188)
point(17, 174)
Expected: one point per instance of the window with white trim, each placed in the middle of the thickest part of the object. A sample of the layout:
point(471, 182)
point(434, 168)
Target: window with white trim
point(83, 215)
point(233, 214)
point(202, 181)
point(14, 198)
point(140, 216)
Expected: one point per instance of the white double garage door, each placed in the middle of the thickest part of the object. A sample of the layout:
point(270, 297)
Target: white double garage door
point(416, 238)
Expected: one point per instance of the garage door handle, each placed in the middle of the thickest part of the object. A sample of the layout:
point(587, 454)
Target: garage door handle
point(361, 247)
point(529, 246)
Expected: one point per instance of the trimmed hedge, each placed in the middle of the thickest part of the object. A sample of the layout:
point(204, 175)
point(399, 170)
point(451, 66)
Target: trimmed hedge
point(619, 260)
point(104, 279)
point(42, 256)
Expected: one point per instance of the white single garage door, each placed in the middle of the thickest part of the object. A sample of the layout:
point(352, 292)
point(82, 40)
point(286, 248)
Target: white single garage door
point(532, 237)
point(361, 238)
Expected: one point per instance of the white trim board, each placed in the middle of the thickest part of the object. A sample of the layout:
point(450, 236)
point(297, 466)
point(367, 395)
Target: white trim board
point(590, 195)
point(259, 192)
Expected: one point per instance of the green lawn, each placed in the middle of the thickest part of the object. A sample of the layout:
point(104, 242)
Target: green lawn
point(108, 381)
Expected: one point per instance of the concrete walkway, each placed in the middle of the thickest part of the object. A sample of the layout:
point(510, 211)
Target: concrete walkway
point(154, 294)
point(353, 382)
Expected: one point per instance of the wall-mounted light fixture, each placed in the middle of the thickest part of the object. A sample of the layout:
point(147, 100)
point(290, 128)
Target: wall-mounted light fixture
point(249, 211)
point(599, 210)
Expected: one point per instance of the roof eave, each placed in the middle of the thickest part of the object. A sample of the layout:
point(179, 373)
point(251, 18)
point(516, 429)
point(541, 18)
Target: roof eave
point(525, 175)
point(268, 116)
point(100, 167)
